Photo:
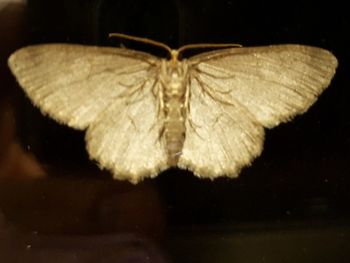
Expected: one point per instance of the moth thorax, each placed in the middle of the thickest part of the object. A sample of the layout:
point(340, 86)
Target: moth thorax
point(174, 79)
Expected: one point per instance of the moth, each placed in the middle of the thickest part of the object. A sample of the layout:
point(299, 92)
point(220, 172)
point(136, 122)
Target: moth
point(144, 114)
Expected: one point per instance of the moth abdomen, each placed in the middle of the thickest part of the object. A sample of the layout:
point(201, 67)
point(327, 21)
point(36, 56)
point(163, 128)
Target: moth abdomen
point(174, 139)
point(174, 130)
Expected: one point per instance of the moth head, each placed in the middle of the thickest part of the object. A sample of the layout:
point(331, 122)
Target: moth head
point(174, 55)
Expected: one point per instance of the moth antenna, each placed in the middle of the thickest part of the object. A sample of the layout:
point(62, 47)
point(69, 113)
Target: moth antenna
point(174, 53)
point(207, 45)
point(142, 40)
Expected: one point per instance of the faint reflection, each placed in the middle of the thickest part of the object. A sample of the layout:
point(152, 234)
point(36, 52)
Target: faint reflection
point(18, 247)
point(65, 218)
point(15, 162)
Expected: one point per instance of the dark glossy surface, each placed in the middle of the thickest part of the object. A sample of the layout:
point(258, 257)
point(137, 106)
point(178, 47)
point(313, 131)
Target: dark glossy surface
point(292, 205)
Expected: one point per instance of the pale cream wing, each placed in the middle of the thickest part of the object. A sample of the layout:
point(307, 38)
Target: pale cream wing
point(274, 83)
point(125, 138)
point(74, 83)
point(221, 137)
point(108, 91)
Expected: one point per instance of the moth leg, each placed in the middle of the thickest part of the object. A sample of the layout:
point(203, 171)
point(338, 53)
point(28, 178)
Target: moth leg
point(135, 92)
point(198, 72)
point(158, 94)
point(209, 91)
point(161, 132)
point(131, 90)
point(194, 127)
point(161, 99)
point(187, 109)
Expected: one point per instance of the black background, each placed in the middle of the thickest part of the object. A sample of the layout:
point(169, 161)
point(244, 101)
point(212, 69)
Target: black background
point(304, 159)
point(302, 177)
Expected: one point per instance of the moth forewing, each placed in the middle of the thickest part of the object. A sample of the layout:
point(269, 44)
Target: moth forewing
point(274, 82)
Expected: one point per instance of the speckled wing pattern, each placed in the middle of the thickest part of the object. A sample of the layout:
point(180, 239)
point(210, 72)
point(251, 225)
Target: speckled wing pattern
point(107, 91)
point(236, 92)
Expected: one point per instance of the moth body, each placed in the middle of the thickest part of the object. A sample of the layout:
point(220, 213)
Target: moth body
point(174, 92)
